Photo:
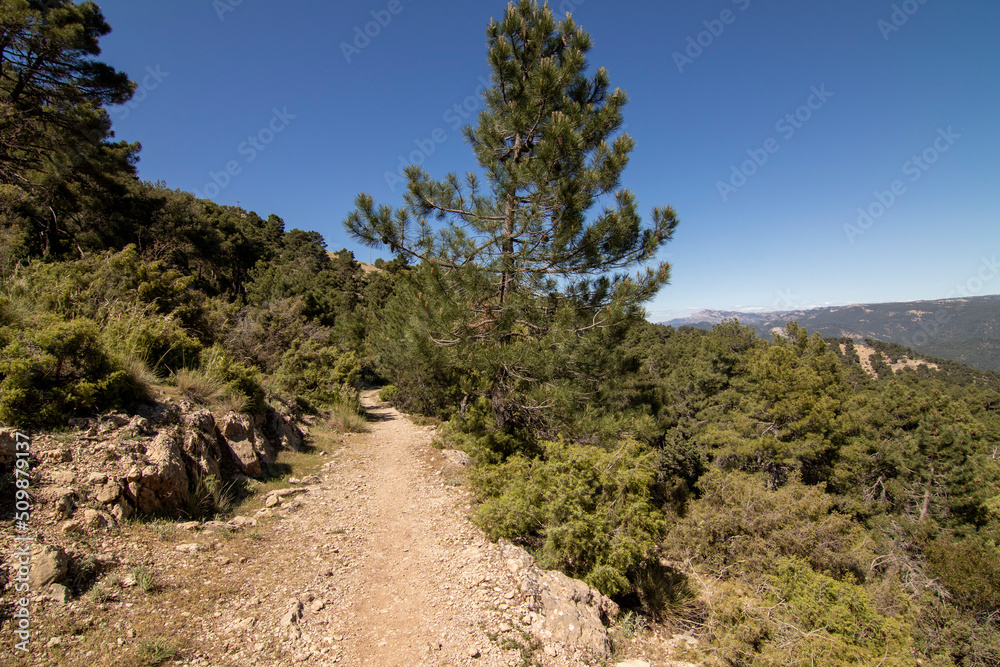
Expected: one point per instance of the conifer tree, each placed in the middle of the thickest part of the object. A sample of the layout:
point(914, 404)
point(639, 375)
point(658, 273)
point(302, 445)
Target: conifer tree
point(56, 153)
point(515, 261)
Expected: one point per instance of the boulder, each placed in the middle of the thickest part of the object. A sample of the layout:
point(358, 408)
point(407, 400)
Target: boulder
point(568, 612)
point(200, 443)
point(49, 565)
point(284, 433)
point(162, 487)
point(245, 441)
point(107, 493)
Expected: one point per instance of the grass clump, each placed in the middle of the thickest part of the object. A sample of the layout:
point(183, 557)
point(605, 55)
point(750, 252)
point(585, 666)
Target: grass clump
point(198, 386)
point(346, 419)
point(154, 652)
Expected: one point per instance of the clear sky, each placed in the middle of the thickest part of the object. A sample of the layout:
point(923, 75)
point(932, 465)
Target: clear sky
point(817, 153)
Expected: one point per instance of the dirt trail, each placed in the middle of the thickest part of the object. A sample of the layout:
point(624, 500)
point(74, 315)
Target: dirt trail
point(386, 566)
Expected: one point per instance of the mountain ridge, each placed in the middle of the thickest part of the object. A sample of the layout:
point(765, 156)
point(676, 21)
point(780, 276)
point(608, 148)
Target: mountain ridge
point(964, 329)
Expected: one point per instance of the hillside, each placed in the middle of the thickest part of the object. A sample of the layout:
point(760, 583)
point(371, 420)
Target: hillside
point(965, 330)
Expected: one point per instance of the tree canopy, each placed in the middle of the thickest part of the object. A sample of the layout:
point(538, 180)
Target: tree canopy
point(515, 254)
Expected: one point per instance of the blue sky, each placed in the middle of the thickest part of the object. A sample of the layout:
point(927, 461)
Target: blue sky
point(816, 153)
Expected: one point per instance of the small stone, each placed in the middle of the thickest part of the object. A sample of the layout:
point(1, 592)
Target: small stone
point(189, 525)
point(55, 641)
point(272, 501)
point(633, 663)
point(293, 480)
point(551, 651)
point(242, 522)
point(317, 604)
point(95, 519)
point(71, 526)
point(59, 593)
point(293, 615)
point(188, 548)
point(505, 627)
point(474, 653)
point(97, 478)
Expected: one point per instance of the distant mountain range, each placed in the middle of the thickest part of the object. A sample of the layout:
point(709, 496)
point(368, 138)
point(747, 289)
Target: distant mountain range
point(965, 330)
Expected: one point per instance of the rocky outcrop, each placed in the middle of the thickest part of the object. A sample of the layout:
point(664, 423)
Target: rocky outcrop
point(245, 441)
point(284, 432)
point(162, 485)
point(200, 443)
point(565, 611)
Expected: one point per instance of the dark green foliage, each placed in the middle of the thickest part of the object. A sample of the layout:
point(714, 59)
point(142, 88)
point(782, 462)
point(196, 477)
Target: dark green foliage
point(589, 512)
point(55, 368)
point(321, 374)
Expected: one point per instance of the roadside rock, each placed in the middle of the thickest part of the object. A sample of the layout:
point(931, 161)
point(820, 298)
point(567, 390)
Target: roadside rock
point(200, 443)
point(8, 445)
point(567, 611)
point(246, 442)
point(49, 565)
point(286, 434)
point(162, 487)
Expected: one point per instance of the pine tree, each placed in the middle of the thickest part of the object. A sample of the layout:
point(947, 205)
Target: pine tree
point(514, 264)
point(56, 153)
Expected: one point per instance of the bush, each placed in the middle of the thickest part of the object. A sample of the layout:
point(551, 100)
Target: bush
point(321, 374)
point(53, 369)
point(240, 380)
point(389, 394)
point(198, 386)
point(586, 511)
point(739, 519)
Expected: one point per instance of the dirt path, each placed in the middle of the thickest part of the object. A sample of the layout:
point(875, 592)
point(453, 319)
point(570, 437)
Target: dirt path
point(370, 560)
point(383, 564)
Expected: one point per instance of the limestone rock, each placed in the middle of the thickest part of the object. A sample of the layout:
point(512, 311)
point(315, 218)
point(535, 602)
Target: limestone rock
point(284, 432)
point(242, 522)
point(293, 615)
point(71, 526)
point(59, 593)
point(8, 444)
point(49, 565)
point(94, 519)
point(163, 484)
point(108, 493)
point(568, 612)
point(458, 457)
point(97, 479)
point(200, 442)
point(246, 443)
point(63, 502)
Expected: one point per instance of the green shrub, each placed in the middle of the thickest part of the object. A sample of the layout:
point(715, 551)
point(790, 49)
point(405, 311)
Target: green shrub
point(797, 616)
point(240, 379)
point(739, 519)
point(585, 510)
point(53, 369)
point(389, 394)
point(320, 374)
point(136, 331)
